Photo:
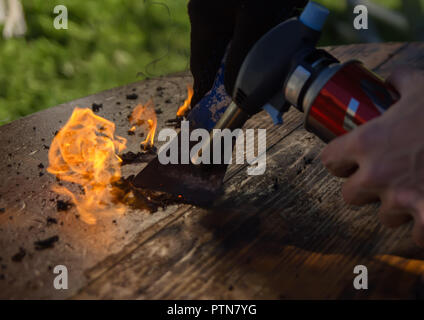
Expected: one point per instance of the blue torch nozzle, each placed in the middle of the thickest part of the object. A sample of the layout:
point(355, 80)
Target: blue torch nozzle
point(314, 16)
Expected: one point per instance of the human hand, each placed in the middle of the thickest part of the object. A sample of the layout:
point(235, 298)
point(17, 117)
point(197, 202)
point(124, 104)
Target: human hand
point(214, 23)
point(384, 158)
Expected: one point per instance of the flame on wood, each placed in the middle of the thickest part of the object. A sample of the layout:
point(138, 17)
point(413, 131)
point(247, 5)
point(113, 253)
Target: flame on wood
point(182, 110)
point(145, 115)
point(85, 152)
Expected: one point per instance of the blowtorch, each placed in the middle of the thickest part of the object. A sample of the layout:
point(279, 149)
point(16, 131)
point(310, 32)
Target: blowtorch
point(285, 68)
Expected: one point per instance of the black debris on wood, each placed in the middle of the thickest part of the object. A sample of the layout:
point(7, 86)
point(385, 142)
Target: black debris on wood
point(19, 256)
point(51, 221)
point(159, 91)
point(131, 133)
point(143, 199)
point(139, 157)
point(307, 160)
point(132, 96)
point(158, 111)
point(41, 166)
point(46, 243)
point(2, 210)
point(148, 148)
point(62, 205)
point(176, 122)
point(96, 107)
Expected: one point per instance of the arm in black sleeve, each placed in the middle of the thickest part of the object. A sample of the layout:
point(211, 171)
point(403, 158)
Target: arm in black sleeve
point(215, 23)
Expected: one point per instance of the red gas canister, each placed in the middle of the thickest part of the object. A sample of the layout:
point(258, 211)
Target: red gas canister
point(337, 97)
point(344, 96)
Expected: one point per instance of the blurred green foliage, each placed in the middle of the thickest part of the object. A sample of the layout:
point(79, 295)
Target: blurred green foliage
point(108, 43)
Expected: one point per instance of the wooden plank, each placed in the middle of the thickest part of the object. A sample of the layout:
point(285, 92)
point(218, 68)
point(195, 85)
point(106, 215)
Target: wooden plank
point(284, 234)
point(411, 56)
point(90, 252)
point(28, 200)
point(290, 239)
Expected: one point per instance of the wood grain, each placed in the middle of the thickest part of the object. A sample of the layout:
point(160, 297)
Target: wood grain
point(284, 234)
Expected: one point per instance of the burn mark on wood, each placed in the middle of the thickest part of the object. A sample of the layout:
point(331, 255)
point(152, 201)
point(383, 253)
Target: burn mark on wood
point(143, 199)
point(132, 96)
point(139, 157)
point(175, 122)
point(96, 107)
point(46, 243)
point(62, 205)
point(148, 148)
point(19, 255)
point(50, 221)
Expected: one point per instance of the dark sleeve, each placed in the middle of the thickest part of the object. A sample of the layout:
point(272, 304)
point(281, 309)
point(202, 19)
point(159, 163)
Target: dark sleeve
point(212, 25)
point(217, 22)
point(253, 19)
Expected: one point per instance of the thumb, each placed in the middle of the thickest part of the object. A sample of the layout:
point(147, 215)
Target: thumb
point(402, 78)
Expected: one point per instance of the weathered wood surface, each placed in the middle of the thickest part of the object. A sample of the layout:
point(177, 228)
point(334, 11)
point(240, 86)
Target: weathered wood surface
point(284, 234)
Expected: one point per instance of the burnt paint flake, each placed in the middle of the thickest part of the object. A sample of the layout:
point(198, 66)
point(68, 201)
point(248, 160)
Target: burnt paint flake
point(96, 107)
point(19, 255)
point(46, 243)
point(51, 221)
point(62, 205)
point(132, 96)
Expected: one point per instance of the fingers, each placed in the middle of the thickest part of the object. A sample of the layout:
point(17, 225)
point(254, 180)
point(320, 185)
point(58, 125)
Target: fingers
point(393, 211)
point(418, 230)
point(400, 78)
point(404, 79)
point(339, 157)
point(399, 206)
point(358, 189)
point(418, 213)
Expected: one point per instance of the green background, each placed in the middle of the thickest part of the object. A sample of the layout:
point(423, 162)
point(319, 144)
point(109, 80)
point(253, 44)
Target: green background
point(113, 42)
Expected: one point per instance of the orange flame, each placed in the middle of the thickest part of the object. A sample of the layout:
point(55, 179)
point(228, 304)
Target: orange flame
point(137, 117)
point(84, 152)
point(182, 110)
